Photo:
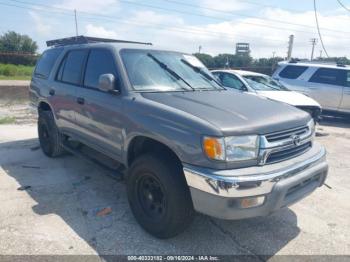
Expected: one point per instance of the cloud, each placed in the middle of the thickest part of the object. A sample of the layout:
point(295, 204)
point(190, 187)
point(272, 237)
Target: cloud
point(222, 5)
point(183, 33)
point(89, 5)
point(99, 31)
point(41, 27)
point(221, 37)
point(150, 17)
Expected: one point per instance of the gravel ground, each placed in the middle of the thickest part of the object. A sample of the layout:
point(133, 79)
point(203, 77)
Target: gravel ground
point(57, 214)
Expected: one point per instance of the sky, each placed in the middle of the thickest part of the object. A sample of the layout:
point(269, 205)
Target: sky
point(215, 25)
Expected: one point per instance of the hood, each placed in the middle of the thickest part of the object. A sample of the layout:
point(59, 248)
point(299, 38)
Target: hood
point(234, 113)
point(290, 97)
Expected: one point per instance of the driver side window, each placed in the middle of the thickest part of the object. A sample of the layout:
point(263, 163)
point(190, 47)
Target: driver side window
point(99, 62)
point(232, 81)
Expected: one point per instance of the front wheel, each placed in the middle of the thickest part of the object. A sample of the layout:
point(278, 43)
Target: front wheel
point(159, 196)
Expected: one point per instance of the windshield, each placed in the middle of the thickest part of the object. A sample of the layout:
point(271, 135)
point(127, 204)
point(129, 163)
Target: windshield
point(264, 83)
point(156, 71)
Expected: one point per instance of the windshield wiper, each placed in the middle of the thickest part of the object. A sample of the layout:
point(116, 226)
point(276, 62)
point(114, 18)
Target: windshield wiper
point(200, 71)
point(170, 71)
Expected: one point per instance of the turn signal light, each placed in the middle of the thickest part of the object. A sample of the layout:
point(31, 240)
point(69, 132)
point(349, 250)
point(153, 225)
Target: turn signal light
point(252, 201)
point(214, 148)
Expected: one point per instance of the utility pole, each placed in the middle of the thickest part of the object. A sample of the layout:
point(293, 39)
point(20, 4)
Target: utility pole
point(290, 47)
point(320, 53)
point(273, 54)
point(76, 22)
point(313, 43)
point(199, 49)
point(227, 62)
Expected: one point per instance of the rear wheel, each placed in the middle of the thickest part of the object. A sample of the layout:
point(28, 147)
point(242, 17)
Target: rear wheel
point(159, 196)
point(50, 137)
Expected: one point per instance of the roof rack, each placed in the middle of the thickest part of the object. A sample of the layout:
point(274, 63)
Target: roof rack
point(77, 40)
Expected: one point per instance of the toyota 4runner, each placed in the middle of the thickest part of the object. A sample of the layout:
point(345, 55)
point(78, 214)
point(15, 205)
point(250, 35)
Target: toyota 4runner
point(182, 142)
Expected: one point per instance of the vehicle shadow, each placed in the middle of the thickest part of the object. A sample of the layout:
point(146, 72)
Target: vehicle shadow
point(335, 121)
point(73, 191)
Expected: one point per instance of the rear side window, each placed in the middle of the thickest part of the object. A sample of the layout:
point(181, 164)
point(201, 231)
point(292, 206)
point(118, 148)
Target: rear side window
point(99, 62)
point(348, 78)
point(292, 72)
point(72, 67)
point(329, 76)
point(46, 62)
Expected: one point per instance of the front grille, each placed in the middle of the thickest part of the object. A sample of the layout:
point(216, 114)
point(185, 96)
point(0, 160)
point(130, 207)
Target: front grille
point(286, 144)
point(277, 136)
point(287, 153)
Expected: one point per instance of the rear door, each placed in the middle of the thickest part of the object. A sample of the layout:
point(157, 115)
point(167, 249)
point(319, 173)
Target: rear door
point(99, 115)
point(326, 87)
point(345, 104)
point(63, 92)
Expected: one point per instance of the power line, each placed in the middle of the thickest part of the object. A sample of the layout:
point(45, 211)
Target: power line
point(318, 30)
point(160, 27)
point(172, 10)
point(248, 16)
point(344, 6)
point(272, 6)
point(214, 17)
point(287, 9)
point(93, 16)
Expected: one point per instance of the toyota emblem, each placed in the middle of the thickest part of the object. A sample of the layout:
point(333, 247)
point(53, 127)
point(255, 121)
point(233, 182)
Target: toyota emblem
point(296, 140)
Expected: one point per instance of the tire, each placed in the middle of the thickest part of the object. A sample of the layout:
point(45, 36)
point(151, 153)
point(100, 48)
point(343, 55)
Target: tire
point(50, 137)
point(175, 210)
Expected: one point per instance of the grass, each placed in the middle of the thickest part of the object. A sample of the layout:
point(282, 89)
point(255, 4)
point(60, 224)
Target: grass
point(15, 77)
point(7, 120)
point(15, 72)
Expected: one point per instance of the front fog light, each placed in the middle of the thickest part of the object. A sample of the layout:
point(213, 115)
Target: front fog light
point(249, 202)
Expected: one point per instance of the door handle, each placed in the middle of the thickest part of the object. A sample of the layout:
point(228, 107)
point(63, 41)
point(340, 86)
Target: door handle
point(52, 92)
point(80, 100)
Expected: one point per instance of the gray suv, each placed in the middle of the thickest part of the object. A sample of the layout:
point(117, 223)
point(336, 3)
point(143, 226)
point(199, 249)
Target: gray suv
point(183, 143)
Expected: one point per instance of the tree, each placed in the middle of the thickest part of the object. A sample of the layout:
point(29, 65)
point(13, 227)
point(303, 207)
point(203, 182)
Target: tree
point(14, 42)
point(206, 59)
point(228, 60)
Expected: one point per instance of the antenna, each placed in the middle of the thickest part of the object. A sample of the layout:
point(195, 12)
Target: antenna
point(76, 22)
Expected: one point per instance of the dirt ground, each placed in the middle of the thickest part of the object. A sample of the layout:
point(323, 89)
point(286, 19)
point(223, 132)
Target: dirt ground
point(14, 102)
point(51, 206)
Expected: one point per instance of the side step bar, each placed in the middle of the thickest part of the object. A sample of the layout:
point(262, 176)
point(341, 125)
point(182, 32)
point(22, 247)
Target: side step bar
point(113, 172)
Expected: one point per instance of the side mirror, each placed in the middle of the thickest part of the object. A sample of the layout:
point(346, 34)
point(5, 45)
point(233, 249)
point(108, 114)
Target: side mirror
point(106, 83)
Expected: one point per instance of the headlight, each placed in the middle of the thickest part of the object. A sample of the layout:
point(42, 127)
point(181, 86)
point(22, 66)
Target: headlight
point(311, 126)
point(233, 148)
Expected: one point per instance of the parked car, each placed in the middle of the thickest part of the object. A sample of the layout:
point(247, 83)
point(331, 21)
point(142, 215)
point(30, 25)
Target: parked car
point(328, 84)
point(266, 86)
point(184, 143)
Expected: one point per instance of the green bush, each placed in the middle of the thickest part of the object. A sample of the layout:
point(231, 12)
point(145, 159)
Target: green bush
point(10, 70)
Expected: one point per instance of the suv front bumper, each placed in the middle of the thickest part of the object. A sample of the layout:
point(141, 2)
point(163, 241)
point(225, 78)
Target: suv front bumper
point(256, 191)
